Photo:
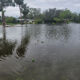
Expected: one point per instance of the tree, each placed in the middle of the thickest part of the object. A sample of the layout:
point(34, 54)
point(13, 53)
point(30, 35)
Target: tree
point(49, 15)
point(75, 17)
point(20, 3)
point(11, 20)
point(4, 4)
point(66, 14)
point(34, 13)
point(24, 10)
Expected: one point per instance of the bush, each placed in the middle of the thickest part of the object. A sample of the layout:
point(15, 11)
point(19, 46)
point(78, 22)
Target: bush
point(57, 19)
point(11, 20)
point(38, 21)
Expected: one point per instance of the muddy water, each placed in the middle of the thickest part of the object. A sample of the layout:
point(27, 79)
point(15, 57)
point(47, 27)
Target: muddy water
point(40, 52)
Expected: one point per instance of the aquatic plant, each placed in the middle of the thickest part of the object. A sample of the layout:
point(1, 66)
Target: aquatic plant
point(33, 60)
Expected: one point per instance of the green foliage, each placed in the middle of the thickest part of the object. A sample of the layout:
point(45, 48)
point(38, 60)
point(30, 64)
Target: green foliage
point(11, 20)
point(6, 47)
point(24, 10)
point(75, 17)
point(56, 16)
point(66, 14)
point(33, 60)
point(6, 3)
point(34, 13)
point(38, 21)
point(53, 23)
point(49, 15)
point(19, 2)
point(57, 20)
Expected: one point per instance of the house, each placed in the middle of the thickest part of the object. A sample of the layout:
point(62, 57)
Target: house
point(26, 20)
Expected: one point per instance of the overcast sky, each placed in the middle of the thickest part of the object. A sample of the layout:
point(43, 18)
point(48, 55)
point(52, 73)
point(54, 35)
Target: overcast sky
point(73, 5)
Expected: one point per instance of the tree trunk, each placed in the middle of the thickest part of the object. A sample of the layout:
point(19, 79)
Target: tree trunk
point(3, 19)
point(20, 14)
point(20, 11)
point(4, 25)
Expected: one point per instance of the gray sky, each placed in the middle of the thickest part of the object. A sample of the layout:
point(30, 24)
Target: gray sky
point(73, 5)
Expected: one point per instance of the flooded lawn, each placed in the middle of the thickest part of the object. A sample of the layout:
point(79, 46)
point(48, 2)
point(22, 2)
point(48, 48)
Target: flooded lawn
point(40, 52)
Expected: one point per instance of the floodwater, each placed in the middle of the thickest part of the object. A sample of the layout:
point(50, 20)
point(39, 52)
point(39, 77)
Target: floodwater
point(40, 52)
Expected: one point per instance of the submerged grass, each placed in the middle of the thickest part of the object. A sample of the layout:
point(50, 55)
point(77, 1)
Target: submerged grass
point(33, 60)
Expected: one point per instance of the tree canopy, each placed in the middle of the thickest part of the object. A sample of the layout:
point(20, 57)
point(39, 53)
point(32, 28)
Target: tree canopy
point(19, 2)
point(24, 10)
point(6, 3)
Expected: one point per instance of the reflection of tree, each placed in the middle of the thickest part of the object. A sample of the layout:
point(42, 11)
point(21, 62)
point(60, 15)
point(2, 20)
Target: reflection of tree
point(4, 33)
point(24, 43)
point(6, 47)
point(22, 48)
point(36, 30)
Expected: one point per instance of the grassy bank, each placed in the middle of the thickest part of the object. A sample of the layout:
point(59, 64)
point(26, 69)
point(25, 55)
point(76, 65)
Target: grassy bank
point(11, 24)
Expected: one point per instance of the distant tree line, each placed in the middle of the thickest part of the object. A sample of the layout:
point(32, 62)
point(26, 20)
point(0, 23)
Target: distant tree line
point(53, 16)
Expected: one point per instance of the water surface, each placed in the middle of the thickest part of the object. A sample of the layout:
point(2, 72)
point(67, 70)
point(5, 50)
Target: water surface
point(55, 50)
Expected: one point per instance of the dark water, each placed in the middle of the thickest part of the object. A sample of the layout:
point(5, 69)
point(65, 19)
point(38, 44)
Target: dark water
point(40, 52)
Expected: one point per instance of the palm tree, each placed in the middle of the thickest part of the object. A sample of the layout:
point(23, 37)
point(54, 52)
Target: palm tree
point(19, 3)
point(25, 10)
point(4, 4)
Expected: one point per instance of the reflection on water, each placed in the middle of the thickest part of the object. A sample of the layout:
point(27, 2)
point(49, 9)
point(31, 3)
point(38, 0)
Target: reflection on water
point(22, 47)
point(55, 49)
point(6, 47)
